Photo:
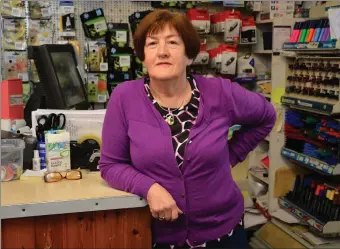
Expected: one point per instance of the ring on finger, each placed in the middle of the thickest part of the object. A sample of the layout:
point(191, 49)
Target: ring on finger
point(161, 218)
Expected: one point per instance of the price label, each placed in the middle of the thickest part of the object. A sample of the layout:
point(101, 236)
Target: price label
point(23, 76)
point(16, 100)
point(67, 9)
point(44, 40)
point(104, 66)
point(10, 58)
point(101, 98)
point(100, 26)
point(92, 79)
point(121, 36)
point(17, 12)
point(93, 48)
point(313, 45)
point(46, 12)
point(35, 24)
point(124, 61)
point(19, 46)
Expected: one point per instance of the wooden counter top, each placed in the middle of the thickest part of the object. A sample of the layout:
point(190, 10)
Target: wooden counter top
point(88, 193)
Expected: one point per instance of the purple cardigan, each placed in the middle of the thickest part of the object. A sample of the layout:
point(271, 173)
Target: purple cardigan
point(137, 152)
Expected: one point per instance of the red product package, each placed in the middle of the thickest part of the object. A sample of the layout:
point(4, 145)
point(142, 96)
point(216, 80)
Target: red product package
point(248, 30)
point(12, 99)
point(200, 19)
point(232, 26)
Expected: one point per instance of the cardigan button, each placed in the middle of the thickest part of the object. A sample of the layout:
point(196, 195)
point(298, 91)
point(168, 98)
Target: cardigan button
point(182, 195)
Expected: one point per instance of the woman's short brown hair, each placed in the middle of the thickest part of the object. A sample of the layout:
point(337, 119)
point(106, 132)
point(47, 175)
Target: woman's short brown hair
point(157, 20)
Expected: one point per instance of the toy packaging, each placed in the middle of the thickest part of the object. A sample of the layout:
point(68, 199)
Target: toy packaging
point(97, 88)
point(248, 30)
point(14, 34)
point(40, 10)
point(16, 65)
point(40, 32)
point(96, 56)
point(13, 8)
point(67, 25)
point(232, 26)
point(94, 23)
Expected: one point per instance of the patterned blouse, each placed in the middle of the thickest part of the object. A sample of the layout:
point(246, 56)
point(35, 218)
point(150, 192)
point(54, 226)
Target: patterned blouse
point(185, 118)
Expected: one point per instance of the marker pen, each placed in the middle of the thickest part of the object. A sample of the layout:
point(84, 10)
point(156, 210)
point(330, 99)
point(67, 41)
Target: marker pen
point(323, 30)
point(318, 30)
point(324, 33)
point(295, 32)
point(304, 31)
point(311, 31)
point(315, 199)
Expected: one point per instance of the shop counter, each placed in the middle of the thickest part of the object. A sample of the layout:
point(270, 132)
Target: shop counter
point(84, 213)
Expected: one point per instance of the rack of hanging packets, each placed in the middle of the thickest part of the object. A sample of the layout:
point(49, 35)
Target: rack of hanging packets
point(312, 133)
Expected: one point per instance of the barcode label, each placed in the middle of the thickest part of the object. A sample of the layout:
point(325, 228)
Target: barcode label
point(101, 98)
point(19, 46)
point(17, 12)
point(15, 100)
point(100, 26)
point(23, 76)
point(104, 67)
point(124, 61)
point(121, 36)
point(45, 12)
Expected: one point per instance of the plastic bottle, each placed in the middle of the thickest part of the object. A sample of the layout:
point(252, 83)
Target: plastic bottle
point(36, 161)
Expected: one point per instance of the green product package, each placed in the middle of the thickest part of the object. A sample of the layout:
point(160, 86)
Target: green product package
point(94, 24)
point(97, 88)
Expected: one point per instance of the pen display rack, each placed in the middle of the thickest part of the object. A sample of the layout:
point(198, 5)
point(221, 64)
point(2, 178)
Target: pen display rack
point(315, 200)
point(312, 83)
point(321, 228)
point(312, 141)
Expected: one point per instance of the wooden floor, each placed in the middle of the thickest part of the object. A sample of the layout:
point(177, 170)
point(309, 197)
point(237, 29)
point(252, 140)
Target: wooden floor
point(126, 228)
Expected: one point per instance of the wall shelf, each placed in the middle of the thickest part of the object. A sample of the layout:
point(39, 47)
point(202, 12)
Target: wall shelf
point(310, 162)
point(319, 105)
point(312, 47)
point(318, 226)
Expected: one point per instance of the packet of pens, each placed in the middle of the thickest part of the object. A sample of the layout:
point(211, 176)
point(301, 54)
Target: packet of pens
point(311, 31)
point(313, 135)
point(314, 77)
point(317, 197)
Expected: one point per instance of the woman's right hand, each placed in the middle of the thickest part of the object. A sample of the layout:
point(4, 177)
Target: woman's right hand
point(161, 203)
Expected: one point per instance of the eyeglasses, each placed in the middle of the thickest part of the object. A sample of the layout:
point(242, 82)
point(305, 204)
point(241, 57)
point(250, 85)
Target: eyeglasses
point(58, 176)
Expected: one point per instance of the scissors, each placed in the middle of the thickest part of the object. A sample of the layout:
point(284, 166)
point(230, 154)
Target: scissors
point(51, 122)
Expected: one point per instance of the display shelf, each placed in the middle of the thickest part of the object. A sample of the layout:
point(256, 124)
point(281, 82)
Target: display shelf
point(310, 162)
point(262, 52)
point(259, 176)
point(318, 226)
point(312, 47)
point(264, 21)
point(313, 104)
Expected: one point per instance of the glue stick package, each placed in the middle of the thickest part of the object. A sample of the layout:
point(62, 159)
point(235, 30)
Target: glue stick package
point(58, 157)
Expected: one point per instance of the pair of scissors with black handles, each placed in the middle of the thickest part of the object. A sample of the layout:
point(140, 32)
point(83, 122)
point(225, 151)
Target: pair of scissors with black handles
point(51, 122)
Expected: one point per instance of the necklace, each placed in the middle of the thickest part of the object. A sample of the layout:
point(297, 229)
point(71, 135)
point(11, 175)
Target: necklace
point(170, 117)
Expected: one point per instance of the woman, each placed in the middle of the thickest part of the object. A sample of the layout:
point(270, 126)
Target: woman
point(165, 138)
